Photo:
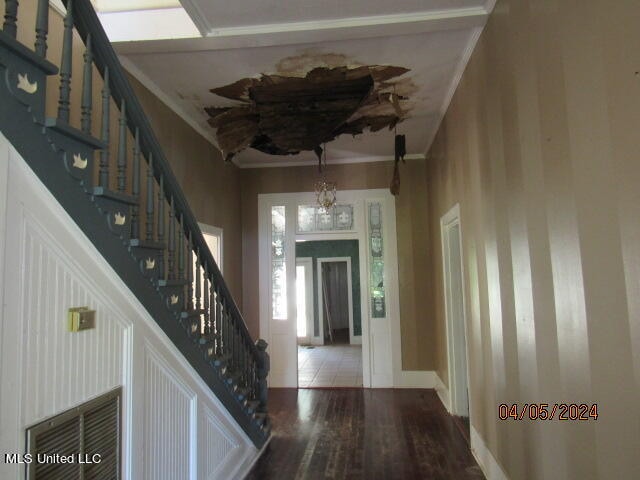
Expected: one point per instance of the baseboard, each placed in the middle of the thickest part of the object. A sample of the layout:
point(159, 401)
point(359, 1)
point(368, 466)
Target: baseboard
point(443, 393)
point(415, 379)
point(486, 460)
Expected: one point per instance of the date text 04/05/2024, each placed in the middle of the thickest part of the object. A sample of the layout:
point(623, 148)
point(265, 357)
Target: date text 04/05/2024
point(547, 411)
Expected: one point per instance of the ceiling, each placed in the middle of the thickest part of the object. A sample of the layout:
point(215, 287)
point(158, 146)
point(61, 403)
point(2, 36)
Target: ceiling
point(247, 38)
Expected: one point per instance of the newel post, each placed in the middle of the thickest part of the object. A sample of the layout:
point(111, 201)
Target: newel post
point(263, 371)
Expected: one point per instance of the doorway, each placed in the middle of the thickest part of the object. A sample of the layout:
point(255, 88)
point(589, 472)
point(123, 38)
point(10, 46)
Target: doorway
point(455, 314)
point(366, 216)
point(335, 311)
point(330, 354)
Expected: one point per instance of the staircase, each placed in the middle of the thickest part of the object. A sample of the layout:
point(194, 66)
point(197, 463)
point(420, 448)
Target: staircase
point(120, 190)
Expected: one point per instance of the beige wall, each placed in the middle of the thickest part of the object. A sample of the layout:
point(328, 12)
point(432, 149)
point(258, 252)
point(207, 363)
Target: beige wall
point(540, 148)
point(416, 326)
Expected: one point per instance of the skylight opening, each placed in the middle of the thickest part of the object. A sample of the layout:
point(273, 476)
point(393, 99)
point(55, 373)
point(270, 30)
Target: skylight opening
point(139, 20)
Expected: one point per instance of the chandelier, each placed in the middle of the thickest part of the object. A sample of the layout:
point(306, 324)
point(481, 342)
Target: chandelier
point(325, 190)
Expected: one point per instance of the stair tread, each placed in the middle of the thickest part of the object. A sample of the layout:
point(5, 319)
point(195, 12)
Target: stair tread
point(139, 243)
point(112, 195)
point(74, 133)
point(28, 54)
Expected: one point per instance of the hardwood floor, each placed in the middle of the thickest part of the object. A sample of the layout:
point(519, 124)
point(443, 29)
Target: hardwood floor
point(363, 433)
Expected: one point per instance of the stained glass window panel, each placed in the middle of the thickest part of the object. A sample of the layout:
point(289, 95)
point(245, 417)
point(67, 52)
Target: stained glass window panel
point(278, 265)
point(314, 218)
point(376, 265)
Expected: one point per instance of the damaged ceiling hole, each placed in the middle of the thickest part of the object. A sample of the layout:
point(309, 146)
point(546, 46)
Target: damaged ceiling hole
point(287, 114)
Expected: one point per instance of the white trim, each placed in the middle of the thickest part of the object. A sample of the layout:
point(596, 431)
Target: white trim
point(455, 81)
point(319, 262)
point(198, 18)
point(150, 85)
point(459, 400)
point(426, 17)
point(487, 462)
point(58, 6)
point(339, 161)
point(307, 263)
point(315, 31)
point(416, 379)
point(389, 335)
point(443, 393)
point(488, 7)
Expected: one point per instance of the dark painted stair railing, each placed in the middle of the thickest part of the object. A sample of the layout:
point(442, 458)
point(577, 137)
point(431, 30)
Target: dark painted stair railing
point(128, 202)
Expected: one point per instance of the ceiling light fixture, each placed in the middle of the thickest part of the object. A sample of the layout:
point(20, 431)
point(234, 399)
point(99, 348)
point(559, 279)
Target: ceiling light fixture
point(325, 190)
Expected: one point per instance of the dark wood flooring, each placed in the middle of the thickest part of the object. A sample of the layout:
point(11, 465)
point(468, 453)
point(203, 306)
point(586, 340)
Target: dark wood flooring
point(363, 433)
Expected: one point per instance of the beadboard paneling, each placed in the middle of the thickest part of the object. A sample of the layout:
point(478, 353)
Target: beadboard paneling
point(60, 370)
point(217, 444)
point(47, 266)
point(169, 417)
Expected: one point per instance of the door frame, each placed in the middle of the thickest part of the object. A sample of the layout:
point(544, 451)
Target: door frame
point(307, 262)
point(320, 261)
point(217, 232)
point(457, 348)
point(381, 341)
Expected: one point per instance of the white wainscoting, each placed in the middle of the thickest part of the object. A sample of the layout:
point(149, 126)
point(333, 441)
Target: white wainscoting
point(173, 426)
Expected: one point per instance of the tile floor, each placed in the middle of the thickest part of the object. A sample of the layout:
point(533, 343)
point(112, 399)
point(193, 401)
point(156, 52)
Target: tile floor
point(330, 366)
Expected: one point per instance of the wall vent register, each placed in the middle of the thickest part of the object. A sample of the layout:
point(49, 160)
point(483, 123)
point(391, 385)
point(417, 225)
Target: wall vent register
point(83, 442)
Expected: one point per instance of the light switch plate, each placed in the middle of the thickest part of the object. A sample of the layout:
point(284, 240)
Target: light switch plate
point(81, 318)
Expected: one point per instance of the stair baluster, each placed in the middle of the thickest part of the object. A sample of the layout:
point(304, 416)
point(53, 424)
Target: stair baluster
point(219, 323)
point(104, 136)
point(190, 273)
point(150, 202)
point(122, 148)
point(135, 187)
point(160, 225)
point(10, 25)
point(198, 280)
point(181, 272)
point(66, 66)
point(42, 27)
point(205, 299)
point(172, 241)
point(87, 89)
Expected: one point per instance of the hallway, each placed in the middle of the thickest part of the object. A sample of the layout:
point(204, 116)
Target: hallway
point(355, 433)
point(330, 366)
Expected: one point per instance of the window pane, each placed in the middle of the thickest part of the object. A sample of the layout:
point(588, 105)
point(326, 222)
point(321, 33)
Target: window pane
point(314, 218)
point(278, 266)
point(376, 266)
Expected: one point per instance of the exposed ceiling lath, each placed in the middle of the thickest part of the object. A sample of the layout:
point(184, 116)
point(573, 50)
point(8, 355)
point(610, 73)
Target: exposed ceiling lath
point(284, 115)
